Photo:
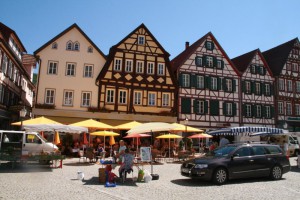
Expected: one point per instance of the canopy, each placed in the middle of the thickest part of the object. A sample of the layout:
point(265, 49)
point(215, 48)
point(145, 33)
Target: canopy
point(55, 127)
point(246, 130)
point(128, 125)
point(184, 128)
point(151, 127)
point(168, 136)
point(38, 120)
point(201, 135)
point(90, 123)
point(137, 135)
point(104, 133)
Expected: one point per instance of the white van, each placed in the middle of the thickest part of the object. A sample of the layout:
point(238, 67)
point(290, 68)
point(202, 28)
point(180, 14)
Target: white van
point(31, 143)
point(280, 139)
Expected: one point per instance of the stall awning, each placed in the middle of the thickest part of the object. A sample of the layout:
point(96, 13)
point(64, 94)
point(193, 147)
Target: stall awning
point(247, 130)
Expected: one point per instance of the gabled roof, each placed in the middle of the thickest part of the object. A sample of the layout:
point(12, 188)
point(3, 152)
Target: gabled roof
point(113, 49)
point(6, 32)
point(277, 56)
point(63, 33)
point(184, 55)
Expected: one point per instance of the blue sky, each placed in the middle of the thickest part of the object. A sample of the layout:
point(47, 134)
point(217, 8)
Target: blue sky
point(240, 26)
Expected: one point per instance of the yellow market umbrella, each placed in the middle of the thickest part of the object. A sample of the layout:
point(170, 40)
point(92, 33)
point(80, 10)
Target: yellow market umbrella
point(38, 120)
point(112, 140)
point(56, 138)
point(90, 123)
point(169, 136)
point(127, 126)
point(105, 134)
point(184, 128)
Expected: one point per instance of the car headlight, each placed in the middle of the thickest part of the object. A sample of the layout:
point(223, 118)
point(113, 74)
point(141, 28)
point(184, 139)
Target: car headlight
point(201, 166)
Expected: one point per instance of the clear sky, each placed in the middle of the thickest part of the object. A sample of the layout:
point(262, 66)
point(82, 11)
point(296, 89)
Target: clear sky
point(240, 26)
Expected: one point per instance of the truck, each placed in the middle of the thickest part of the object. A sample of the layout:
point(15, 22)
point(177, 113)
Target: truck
point(22, 146)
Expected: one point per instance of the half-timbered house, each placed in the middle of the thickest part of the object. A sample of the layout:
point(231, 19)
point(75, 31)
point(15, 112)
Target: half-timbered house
point(208, 94)
point(136, 82)
point(284, 61)
point(257, 96)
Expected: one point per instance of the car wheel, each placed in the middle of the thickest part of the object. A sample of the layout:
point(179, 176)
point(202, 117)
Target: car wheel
point(220, 176)
point(276, 173)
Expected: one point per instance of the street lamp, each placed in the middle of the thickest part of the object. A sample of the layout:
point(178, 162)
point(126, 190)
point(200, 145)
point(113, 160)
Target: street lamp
point(23, 113)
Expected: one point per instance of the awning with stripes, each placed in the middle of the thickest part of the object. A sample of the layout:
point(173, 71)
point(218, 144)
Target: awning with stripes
point(246, 130)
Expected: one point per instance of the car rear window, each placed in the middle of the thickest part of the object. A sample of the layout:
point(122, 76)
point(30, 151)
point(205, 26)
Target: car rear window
point(273, 149)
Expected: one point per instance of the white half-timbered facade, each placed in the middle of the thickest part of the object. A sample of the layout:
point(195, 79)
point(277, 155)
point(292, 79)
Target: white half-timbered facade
point(208, 93)
point(257, 96)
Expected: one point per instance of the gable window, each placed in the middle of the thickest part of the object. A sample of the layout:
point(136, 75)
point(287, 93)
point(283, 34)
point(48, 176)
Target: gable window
point(117, 65)
point(139, 67)
point(141, 40)
point(86, 99)
point(137, 99)
point(161, 69)
point(165, 99)
point(214, 83)
point(267, 89)
point(54, 45)
point(258, 111)
point(68, 98)
point(122, 97)
point(261, 70)
point(297, 110)
point(288, 67)
point(298, 86)
point(151, 99)
point(69, 45)
point(200, 82)
point(288, 108)
point(198, 61)
point(289, 86)
point(209, 45)
point(257, 89)
point(88, 71)
point(280, 107)
point(186, 82)
point(281, 84)
point(52, 67)
point(150, 68)
point(209, 61)
point(110, 96)
point(253, 69)
point(219, 64)
point(248, 110)
point(90, 50)
point(128, 66)
point(76, 46)
point(49, 96)
point(70, 69)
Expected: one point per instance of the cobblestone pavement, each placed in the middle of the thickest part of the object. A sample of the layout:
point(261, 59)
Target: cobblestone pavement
point(41, 182)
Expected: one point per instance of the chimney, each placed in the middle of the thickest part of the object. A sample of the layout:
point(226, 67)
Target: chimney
point(187, 44)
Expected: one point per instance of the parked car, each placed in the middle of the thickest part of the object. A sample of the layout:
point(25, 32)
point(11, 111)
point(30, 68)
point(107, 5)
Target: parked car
point(238, 161)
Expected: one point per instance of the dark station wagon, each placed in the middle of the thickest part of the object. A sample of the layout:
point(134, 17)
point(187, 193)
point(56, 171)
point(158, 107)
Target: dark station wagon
point(234, 161)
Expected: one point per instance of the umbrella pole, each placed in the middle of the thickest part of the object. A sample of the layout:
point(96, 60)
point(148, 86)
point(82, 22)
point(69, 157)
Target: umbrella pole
point(199, 145)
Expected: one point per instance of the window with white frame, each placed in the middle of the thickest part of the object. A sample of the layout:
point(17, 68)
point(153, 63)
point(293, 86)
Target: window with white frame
point(229, 109)
point(268, 111)
point(298, 86)
point(76, 46)
point(88, 71)
point(68, 98)
point(139, 67)
point(137, 98)
point(128, 65)
point(219, 64)
point(209, 61)
point(288, 108)
point(228, 85)
point(86, 99)
point(110, 96)
point(248, 110)
point(161, 69)
point(289, 85)
point(297, 109)
point(209, 45)
point(257, 88)
point(258, 111)
point(198, 61)
point(141, 40)
point(200, 82)
point(52, 67)
point(49, 96)
point(281, 84)
point(165, 99)
point(200, 107)
point(70, 71)
point(117, 64)
point(150, 68)
point(151, 99)
point(4, 64)
point(69, 45)
point(280, 107)
point(186, 80)
point(214, 83)
point(295, 67)
point(122, 96)
point(248, 87)
point(267, 89)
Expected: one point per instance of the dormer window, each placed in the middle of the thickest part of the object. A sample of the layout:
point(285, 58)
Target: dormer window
point(54, 45)
point(209, 45)
point(90, 49)
point(69, 45)
point(141, 40)
point(76, 46)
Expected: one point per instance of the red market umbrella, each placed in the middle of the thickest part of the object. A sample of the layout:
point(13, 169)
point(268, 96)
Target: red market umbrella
point(199, 136)
point(137, 136)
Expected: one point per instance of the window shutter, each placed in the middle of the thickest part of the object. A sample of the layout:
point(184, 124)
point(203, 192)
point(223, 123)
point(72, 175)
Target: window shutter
point(263, 88)
point(214, 107)
point(257, 69)
point(180, 79)
point(219, 82)
point(193, 80)
point(243, 86)
point(272, 111)
point(253, 89)
point(224, 108)
point(233, 85)
point(195, 104)
point(205, 107)
point(186, 105)
point(207, 82)
point(224, 84)
point(204, 61)
point(253, 107)
point(271, 90)
point(215, 62)
point(244, 110)
point(264, 71)
point(263, 111)
point(212, 46)
point(222, 64)
point(234, 109)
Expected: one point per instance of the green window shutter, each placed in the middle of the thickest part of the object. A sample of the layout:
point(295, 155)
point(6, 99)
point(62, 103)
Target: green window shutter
point(180, 79)
point(207, 82)
point(205, 107)
point(233, 85)
point(222, 64)
point(257, 69)
point(253, 89)
point(264, 71)
point(243, 86)
point(214, 107)
point(253, 106)
point(215, 62)
point(271, 90)
point(204, 61)
point(186, 105)
point(224, 84)
point(193, 80)
point(263, 88)
point(263, 111)
point(272, 111)
point(196, 104)
point(244, 111)
point(234, 109)
point(219, 82)
point(224, 108)
point(212, 46)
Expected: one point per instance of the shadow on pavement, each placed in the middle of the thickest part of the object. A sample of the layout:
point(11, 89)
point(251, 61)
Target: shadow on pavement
point(295, 169)
point(79, 164)
point(24, 168)
point(95, 181)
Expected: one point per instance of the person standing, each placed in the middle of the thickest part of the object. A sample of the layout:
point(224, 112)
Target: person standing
point(286, 148)
point(223, 141)
point(121, 150)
